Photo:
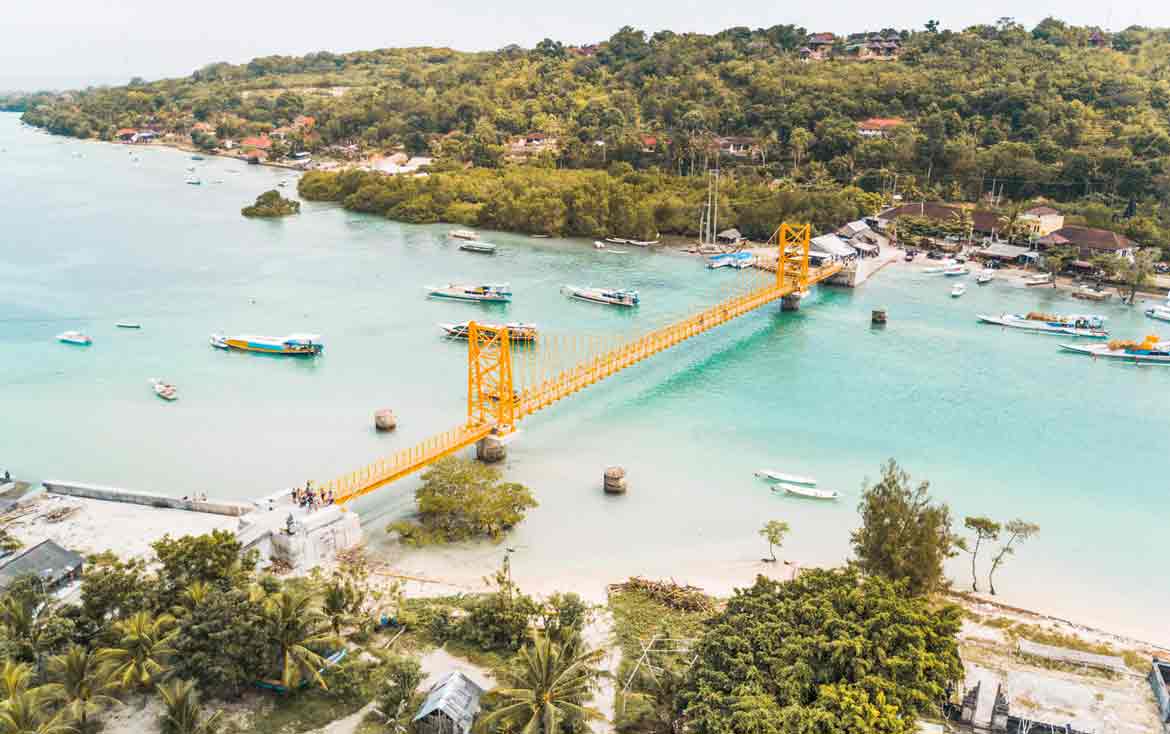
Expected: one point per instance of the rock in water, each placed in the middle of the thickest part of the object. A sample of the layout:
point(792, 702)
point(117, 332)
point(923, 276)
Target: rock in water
point(615, 480)
point(384, 420)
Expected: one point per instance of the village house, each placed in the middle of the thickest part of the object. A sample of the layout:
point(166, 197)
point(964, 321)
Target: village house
point(260, 143)
point(126, 134)
point(586, 50)
point(1041, 220)
point(650, 143)
point(1098, 40)
point(818, 47)
point(1089, 241)
point(451, 706)
point(1160, 682)
point(980, 222)
point(879, 127)
point(54, 566)
point(738, 146)
point(304, 122)
point(531, 144)
point(204, 127)
point(873, 46)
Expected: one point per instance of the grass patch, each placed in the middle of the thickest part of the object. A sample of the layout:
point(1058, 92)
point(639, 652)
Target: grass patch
point(999, 623)
point(422, 610)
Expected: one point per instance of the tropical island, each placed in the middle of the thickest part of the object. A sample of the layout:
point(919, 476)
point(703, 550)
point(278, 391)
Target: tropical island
point(271, 204)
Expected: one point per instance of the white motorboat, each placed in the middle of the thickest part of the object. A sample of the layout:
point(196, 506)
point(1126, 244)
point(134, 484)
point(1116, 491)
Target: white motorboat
point(776, 476)
point(74, 337)
point(517, 332)
point(1150, 351)
point(1033, 280)
point(218, 341)
point(486, 293)
point(808, 492)
point(484, 248)
point(641, 243)
point(609, 296)
point(956, 270)
point(128, 325)
point(1089, 293)
point(598, 245)
point(463, 234)
point(1086, 325)
point(942, 266)
point(1159, 313)
point(958, 290)
point(193, 181)
point(617, 241)
point(164, 390)
point(985, 276)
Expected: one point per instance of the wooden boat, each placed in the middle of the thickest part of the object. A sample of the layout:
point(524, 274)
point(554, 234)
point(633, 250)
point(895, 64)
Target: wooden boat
point(1152, 350)
point(463, 234)
point(128, 325)
point(608, 296)
point(485, 248)
point(617, 241)
point(808, 492)
point(293, 345)
point(164, 390)
point(75, 337)
point(1087, 293)
point(1034, 280)
point(1089, 325)
point(486, 293)
point(517, 332)
point(641, 243)
point(958, 290)
point(956, 270)
point(786, 478)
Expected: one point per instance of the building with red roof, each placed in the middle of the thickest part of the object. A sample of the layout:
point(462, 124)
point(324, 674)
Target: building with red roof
point(879, 127)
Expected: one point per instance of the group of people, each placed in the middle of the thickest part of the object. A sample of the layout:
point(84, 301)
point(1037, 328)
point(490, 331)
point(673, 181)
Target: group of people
point(312, 499)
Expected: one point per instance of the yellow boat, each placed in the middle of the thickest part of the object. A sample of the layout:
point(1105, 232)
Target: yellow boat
point(304, 345)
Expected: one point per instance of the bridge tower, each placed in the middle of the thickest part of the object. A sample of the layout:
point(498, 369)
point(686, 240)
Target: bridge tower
point(792, 262)
point(491, 397)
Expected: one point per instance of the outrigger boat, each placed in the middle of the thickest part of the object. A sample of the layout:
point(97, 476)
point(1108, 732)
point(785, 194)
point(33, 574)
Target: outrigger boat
point(297, 345)
point(74, 337)
point(1149, 351)
point(485, 248)
point(618, 241)
point(808, 492)
point(463, 234)
point(486, 293)
point(517, 332)
point(1160, 313)
point(1089, 326)
point(164, 390)
point(608, 296)
point(776, 476)
point(128, 325)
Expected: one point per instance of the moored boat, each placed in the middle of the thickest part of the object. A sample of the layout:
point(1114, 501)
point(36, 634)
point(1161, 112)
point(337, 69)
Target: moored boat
point(517, 332)
point(958, 290)
point(1087, 325)
point(985, 276)
point(193, 180)
point(128, 325)
point(942, 267)
point(617, 241)
point(722, 260)
point(295, 345)
point(641, 243)
point(463, 234)
point(1034, 280)
point(486, 293)
point(955, 270)
point(74, 337)
point(598, 245)
point(609, 296)
point(164, 390)
point(787, 478)
point(1160, 313)
point(1088, 293)
point(1151, 350)
point(485, 248)
point(808, 492)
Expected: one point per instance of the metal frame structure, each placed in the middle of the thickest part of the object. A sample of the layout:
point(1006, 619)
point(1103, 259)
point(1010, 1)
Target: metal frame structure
point(491, 398)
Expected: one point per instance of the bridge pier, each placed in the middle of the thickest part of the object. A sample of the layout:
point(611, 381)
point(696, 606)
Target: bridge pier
point(490, 450)
point(791, 302)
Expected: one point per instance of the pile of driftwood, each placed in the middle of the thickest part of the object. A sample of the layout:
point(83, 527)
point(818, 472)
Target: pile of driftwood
point(669, 593)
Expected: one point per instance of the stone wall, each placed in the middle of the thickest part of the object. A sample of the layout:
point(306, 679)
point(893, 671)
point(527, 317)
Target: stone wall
point(150, 499)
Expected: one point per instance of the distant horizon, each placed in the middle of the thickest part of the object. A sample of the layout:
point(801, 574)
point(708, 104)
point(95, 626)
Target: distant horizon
point(41, 52)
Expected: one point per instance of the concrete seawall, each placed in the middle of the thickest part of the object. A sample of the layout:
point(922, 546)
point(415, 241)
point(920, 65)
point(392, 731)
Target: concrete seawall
point(150, 499)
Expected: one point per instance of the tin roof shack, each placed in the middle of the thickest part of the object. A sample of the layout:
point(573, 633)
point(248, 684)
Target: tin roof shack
point(1160, 682)
point(49, 562)
point(451, 706)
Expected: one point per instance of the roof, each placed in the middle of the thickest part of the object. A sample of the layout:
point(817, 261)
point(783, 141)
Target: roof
point(261, 142)
point(457, 697)
point(831, 244)
point(127, 131)
point(736, 140)
point(1001, 249)
point(881, 123)
point(1074, 657)
point(1041, 211)
point(981, 221)
point(45, 559)
point(853, 228)
point(1089, 238)
point(822, 38)
point(730, 234)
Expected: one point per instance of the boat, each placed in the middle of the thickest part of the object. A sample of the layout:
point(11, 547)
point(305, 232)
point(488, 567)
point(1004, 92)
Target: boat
point(808, 492)
point(487, 293)
point(598, 245)
point(1160, 313)
point(517, 332)
point(786, 478)
point(128, 325)
point(942, 267)
point(463, 234)
point(641, 243)
point(485, 248)
point(196, 157)
point(743, 260)
point(282, 184)
point(955, 270)
point(722, 260)
point(738, 260)
point(295, 345)
point(909, 256)
point(193, 180)
point(1088, 325)
point(608, 296)
point(1151, 350)
point(958, 290)
point(617, 241)
point(541, 236)
point(74, 337)
point(985, 276)
point(1088, 293)
point(611, 251)
point(1032, 280)
point(164, 390)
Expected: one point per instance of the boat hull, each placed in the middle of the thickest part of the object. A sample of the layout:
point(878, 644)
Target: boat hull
point(589, 298)
point(1118, 355)
point(1040, 327)
point(809, 492)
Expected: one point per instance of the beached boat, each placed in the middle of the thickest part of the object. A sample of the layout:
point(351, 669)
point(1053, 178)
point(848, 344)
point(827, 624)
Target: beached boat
point(463, 234)
point(1152, 350)
point(74, 337)
point(517, 332)
point(985, 276)
point(164, 390)
point(611, 251)
point(777, 476)
point(1088, 293)
point(487, 293)
point(609, 296)
point(808, 492)
point(1159, 313)
point(958, 290)
point(956, 270)
point(128, 325)
point(1088, 325)
point(1033, 280)
point(294, 345)
point(485, 248)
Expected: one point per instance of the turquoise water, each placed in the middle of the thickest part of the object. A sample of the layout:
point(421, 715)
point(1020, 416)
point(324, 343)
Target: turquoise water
point(1000, 422)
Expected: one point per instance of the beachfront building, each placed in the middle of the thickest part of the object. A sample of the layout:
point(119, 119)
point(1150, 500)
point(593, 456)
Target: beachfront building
point(126, 134)
point(451, 706)
point(1041, 220)
point(975, 221)
point(54, 566)
point(1089, 241)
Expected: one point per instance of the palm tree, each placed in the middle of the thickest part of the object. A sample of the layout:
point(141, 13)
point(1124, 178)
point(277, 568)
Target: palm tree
point(550, 684)
point(295, 626)
point(28, 713)
point(1136, 273)
point(1057, 259)
point(141, 656)
point(81, 684)
point(15, 679)
point(183, 713)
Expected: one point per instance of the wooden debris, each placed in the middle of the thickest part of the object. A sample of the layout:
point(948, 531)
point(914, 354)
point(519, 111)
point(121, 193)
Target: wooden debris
point(669, 593)
point(58, 514)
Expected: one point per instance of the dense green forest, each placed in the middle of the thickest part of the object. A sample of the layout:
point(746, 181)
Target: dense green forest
point(1035, 112)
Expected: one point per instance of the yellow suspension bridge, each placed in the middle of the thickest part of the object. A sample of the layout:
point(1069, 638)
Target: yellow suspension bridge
point(495, 404)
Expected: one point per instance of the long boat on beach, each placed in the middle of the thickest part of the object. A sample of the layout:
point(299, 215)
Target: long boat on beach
point(608, 296)
point(517, 332)
point(1152, 350)
point(293, 345)
point(485, 293)
point(1088, 326)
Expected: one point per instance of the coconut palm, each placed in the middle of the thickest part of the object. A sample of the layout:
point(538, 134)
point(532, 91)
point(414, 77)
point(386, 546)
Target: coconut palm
point(183, 713)
point(80, 682)
point(141, 656)
point(15, 679)
point(28, 712)
point(550, 684)
point(295, 627)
